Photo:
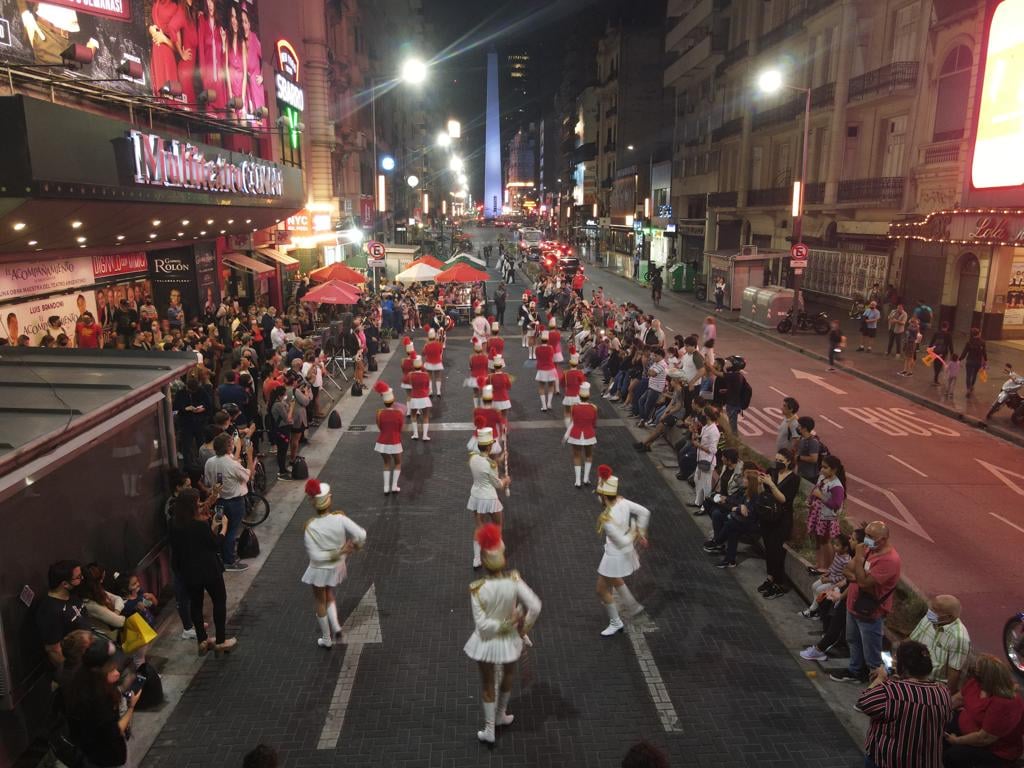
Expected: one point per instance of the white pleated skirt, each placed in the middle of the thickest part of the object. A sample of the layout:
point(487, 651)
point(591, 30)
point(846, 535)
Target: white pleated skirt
point(406, 386)
point(547, 377)
point(419, 403)
point(582, 441)
point(502, 405)
point(570, 400)
point(387, 448)
point(503, 649)
point(433, 366)
point(483, 506)
point(325, 575)
point(470, 383)
point(619, 565)
point(558, 357)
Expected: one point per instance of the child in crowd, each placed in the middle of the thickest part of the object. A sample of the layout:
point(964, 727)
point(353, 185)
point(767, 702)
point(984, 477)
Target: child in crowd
point(834, 576)
point(952, 372)
point(136, 600)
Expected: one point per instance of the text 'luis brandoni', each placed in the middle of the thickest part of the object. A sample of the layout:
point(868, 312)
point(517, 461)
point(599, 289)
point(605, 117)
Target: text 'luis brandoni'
point(171, 163)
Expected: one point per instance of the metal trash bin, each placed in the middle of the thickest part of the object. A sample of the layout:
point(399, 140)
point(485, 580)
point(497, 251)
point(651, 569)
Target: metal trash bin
point(677, 278)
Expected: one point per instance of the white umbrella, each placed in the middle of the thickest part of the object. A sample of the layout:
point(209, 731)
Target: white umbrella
point(418, 273)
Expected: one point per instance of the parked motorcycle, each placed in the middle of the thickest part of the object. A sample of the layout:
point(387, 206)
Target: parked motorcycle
point(819, 323)
point(1013, 642)
point(1010, 397)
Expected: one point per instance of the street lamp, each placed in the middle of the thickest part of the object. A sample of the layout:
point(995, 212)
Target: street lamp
point(414, 71)
point(413, 182)
point(387, 163)
point(772, 81)
point(456, 164)
point(444, 139)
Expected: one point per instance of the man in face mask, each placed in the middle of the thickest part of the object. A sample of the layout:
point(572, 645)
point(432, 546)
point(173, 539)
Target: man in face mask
point(873, 573)
point(946, 637)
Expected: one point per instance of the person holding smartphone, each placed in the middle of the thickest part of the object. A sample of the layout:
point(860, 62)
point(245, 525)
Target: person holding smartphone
point(96, 724)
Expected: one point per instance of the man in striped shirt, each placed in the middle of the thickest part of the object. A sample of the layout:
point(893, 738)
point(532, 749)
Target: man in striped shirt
point(657, 378)
point(946, 638)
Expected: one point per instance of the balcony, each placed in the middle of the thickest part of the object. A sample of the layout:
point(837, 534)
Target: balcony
point(609, 147)
point(696, 59)
point(689, 22)
point(884, 190)
point(780, 114)
point(584, 153)
point(773, 196)
point(723, 199)
point(725, 130)
point(823, 95)
point(732, 56)
point(898, 76)
point(941, 152)
point(786, 29)
point(814, 193)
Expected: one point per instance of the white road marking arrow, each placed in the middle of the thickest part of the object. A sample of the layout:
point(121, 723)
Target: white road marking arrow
point(1001, 473)
point(819, 380)
point(361, 627)
point(903, 518)
point(655, 684)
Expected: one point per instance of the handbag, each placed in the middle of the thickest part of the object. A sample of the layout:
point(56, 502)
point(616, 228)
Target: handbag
point(983, 375)
point(704, 465)
point(866, 604)
point(136, 633)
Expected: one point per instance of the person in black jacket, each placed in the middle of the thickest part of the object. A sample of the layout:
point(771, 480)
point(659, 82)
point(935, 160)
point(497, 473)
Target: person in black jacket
point(783, 483)
point(942, 345)
point(92, 703)
point(195, 552)
point(194, 407)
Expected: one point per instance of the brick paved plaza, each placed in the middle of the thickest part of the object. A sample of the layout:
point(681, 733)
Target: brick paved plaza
point(740, 697)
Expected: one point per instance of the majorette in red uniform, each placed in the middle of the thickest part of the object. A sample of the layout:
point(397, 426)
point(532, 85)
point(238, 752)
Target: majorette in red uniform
point(433, 361)
point(502, 384)
point(419, 399)
point(495, 345)
point(571, 381)
point(547, 373)
point(486, 416)
point(582, 435)
point(410, 350)
point(555, 339)
point(477, 370)
point(389, 442)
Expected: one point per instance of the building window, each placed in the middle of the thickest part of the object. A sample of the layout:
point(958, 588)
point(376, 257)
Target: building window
point(951, 99)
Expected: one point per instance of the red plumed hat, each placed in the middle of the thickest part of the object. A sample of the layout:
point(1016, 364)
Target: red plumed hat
point(406, 340)
point(479, 422)
point(312, 487)
point(381, 387)
point(489, 537)
point(604, 471)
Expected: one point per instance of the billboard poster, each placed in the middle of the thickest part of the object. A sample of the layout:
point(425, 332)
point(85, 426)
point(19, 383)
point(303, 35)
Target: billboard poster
point(33, 278)
point(108, 297)
point(173, 276)
point(50, 316)
point(206, 278)
point(1014, 314)
point(199, 55)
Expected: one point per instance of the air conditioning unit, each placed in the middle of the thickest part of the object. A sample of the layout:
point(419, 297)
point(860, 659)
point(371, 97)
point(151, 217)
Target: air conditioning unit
point(748, 250)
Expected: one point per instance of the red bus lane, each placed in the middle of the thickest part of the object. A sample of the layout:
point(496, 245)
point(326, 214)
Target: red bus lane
point(952, 495)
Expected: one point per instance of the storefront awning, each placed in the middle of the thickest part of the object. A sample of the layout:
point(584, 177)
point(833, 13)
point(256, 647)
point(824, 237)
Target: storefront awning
point(863, 227)
point(281, 258)
point(249, 265)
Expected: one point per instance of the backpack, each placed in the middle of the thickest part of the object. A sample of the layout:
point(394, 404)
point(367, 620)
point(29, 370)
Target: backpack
point(299, 469)
point(248, 544)
point(746, 393)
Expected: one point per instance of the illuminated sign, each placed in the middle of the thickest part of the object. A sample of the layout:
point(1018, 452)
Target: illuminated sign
point(286, 78)
point(965, 226)
point(287, 60)
point(289, 93)
point(307, 223)
point(998, 161)
point(164, 162)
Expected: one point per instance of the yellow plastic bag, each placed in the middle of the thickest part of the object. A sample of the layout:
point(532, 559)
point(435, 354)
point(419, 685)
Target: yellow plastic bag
point(983, 375)
point(136, 633)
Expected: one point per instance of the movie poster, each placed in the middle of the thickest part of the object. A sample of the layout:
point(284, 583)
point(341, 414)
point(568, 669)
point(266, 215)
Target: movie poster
point(50, 316)
point(200, 55)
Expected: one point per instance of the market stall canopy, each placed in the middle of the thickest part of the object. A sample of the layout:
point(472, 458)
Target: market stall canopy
point(244, 262)
point(430, 261)
point(341, 272)
point(418, 273)
point(332, 292)
point(286, 261)
point(462, 273)
point(466, 258)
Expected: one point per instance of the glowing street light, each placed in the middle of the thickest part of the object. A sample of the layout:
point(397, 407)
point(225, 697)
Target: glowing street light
point(387, 163)
point(770, 81)
point(414, 71)
point(455, 129)
point(456, 164)
point(413, 182)
point(444, 139)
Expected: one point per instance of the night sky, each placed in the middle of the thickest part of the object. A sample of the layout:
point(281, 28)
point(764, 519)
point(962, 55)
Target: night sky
point(465, 30)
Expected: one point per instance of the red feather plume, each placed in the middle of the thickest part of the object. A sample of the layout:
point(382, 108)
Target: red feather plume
point(381, 387)
point(604, 471)
point(489, 537)
point(479, 422)
point(406, 341)
point(572, 349)
point(312, 487)
point(490, 319)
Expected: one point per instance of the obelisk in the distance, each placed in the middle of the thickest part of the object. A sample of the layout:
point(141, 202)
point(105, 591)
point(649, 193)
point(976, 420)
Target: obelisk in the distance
point(492, 150)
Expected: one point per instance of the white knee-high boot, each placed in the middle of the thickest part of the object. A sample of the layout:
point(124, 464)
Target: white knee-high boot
point(394, 480)
point(629, 602)
point(501, 717)
point(614, 622)
point(324, 641)
point(332, 619)
point(487, 734)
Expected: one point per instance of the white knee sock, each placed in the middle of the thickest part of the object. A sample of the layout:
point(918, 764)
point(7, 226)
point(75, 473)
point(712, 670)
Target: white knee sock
point(628, 601)
point(487, 734)
point(476, 553)
point(426, 428)
point(332, 618)
point(438, 385)
point(415, 428)
point(476, 402)
point(394, 479)
point(324, 641)
point(579, 473)
point(613, 614)
point(543, 401)
point(551, 396)
point(586, 471)
point(501, 717)
point(567, 420)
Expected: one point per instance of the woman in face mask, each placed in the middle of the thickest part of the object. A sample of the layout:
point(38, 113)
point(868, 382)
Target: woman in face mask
point(782, 484)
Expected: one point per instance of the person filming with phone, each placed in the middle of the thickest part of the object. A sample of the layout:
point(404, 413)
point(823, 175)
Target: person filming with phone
point(225, 470)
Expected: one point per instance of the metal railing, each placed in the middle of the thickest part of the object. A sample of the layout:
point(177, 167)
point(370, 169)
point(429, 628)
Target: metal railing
point(723, 199)
point(814, 193)
point(945, 152)
point(899, 75)
point(882, 189)
point(771, 196)
point(725, 130)
point(780, 114)
point(732, 56)
point(823, 95)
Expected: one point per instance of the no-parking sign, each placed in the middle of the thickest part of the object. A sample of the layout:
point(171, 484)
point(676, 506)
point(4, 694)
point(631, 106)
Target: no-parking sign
point(377, 253)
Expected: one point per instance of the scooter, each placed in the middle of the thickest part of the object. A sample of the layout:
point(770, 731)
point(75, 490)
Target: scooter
point(1013, 642)
point(819, 323)
point(1010, 397)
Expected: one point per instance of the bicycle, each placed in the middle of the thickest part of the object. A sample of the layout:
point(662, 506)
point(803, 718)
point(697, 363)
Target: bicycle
point(857, 309)
point(257, 509)
point(258, 476)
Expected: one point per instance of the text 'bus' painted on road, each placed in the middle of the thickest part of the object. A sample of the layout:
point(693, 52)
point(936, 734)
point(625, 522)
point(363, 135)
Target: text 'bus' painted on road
point(899, 422)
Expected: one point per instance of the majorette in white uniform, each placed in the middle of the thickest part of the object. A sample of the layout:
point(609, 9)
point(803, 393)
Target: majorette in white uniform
point(622, 522)
point(483, 496)
point(481, 326)
point(329, 537)
point(486, 416)
point(504, 609)
point(390, 422)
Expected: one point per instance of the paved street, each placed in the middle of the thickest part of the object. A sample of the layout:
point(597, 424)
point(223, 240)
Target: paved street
point(739, 697)
point(951, 492)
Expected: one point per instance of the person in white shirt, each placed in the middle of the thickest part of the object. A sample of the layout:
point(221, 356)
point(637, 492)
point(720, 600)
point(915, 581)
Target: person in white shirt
point(313, 372)
point(329, 539)
point(483, 496)
point(278, 338)
point(481, 325)
point(225, 469)
point(624, 525)
point(707, 451)
point(504, 608)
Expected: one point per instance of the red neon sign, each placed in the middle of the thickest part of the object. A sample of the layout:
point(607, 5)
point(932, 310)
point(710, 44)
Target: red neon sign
point(287, 60)
point(998, 161)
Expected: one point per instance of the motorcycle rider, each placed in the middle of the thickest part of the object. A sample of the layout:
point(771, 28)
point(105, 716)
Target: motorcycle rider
point(1014, 381)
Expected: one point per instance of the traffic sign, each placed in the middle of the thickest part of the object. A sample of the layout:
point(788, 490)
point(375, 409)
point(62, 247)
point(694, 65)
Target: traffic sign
point(377, 252)
point(798, 256)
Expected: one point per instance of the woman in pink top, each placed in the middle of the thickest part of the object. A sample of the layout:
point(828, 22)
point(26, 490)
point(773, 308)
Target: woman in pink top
point(211, 55)
point(234, 54)
point(164, 32)
point(188, 51)
point(253, 66)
